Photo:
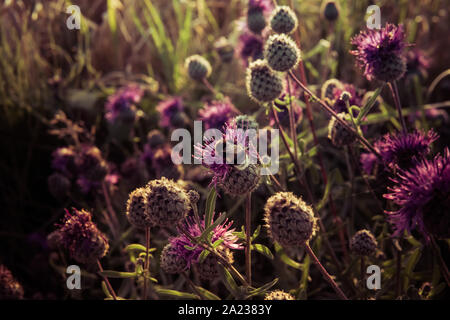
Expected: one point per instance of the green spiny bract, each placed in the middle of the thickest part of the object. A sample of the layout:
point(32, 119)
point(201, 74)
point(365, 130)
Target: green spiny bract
point(281, 52)
point(283, 20)
point(263, 84)
point(167, 202)
point(198, 67)
point(290, 221)
point(338, 134)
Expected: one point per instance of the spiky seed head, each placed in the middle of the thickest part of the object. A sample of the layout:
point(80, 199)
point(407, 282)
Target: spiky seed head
point(263, 84)
point(137, 209)
point(330, 10)
point(281, 52)
point(363, 243)
point(278, 295)
point(171, 262)
point(246, 122)
point(238, 182)
point(338, 134)
point(393, 68)
point(167, 202)
point(290, 221)
point(256, 21)
point(198, 67)
point(208, 269)
point(10, 288)
point(283, 20)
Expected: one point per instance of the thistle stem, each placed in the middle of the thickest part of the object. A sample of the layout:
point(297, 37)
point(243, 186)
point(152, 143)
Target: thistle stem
point(248, 230)
point(209, 86)
point(147, 260)
point(108, 284)
point(324, 272)
point(394, 90)
point(192, 285)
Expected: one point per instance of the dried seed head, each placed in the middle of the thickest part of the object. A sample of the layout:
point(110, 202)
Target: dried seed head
point(363, 243)
point(198, 67)
point(278, 295)
point(281, 52)
point(256, 21)
point(283, 20)
point(263, 84)
point(10, 288)
point(137, 209)
point(209, 268)
point(290, 221)
point(239, 182)
point(330, 10)
point(167, 202)
point(338, 134)
point(171, 261)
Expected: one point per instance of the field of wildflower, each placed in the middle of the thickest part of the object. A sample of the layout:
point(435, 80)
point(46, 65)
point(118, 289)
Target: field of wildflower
point(224, 149)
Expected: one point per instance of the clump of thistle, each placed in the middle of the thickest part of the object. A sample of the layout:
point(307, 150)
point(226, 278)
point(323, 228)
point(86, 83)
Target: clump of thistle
point(379, 53)
point(171, 111)
point(232, 160)
point(290, 221)
point(338, 134)
point(281, 52)
point(283, 20)
point(330, 10)
point(10, 288)
point(282, 106)
point(137, 209)
point(423, 195)
point(167, 202)
point(81, 237)
point(363, 243)
point(250, 46)
point(404, 150)
point(278, 295)
point(263, 84)
point(198, 67)
point(256, 20)
point(216, 113)
point(171, 261)
point(225, 50)
point(121, 106)
point(246, 122)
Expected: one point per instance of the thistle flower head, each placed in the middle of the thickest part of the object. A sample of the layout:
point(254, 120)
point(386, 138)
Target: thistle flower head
point(423, 194)
point(208, 269)
point(81, 237)
point(121, 105)
point(198, 67)
point(250, 46)
point(281, 52)
point(216, 113)
point(283, 20)
point(278, 295)
point(263, 84)
point(338, 134)
point(363, 243)
point(10, 288)
point(63, 160)
point(171, 262)
point(257, 9)
point(380, 52)
point(332, 91)
point(137, 209)
point(168, 109)
point(290, 221)
point(155, 138)
point(404, 150)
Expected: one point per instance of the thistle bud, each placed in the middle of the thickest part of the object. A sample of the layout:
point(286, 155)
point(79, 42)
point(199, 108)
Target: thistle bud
point(198, 67)
point(363, 243)
point(338, 134)
point(256, 21)
point(283, 20)
point(330, 10)
point(281, 52)
point(239, 182)
point(137, 209)
point(171, 261)
point(263, 84)
point(246, 122)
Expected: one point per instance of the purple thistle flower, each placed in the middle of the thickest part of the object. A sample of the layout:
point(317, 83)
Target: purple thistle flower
point(368, 162)
point(250, 46)
point(222, 231)
point(423, 193)
point(121, 104)
point(379, 53)
point(168, 109)
point(214, 155)
point(405, 150)
point(216, 113)
point(263, 5)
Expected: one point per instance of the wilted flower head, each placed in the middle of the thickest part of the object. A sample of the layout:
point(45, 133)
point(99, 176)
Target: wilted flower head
point(250, 46)
point(380, 52)
point(216, 113)
point(168, 109)
point(222, 232)
point(403, 150)
point(81, 237)
point(121, 104)
point(423, 194)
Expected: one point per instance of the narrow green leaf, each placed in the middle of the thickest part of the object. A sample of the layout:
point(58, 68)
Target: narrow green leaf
point(370, 103)
point(263, 250)
point(263, 289)
point(118, 274)
point(284, 257)
point(207, 294)
point(138, 247)
point(228, 281)
point(210, 206)
point(176, 294)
